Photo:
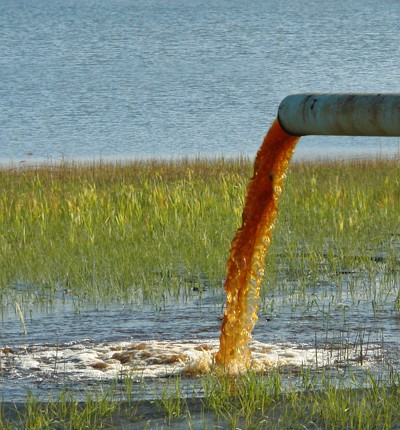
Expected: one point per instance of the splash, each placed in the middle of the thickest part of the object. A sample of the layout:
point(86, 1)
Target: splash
point(245, 267)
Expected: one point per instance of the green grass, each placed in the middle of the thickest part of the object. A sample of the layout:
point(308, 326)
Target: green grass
point(116, 231)
point(62, 413)
point(103, 231)
point(109, 231)
point(248, 401)
point(320, 402)
point(336, 217)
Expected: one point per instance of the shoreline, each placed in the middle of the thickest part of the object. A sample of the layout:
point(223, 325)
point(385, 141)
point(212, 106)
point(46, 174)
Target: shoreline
point(7, 165)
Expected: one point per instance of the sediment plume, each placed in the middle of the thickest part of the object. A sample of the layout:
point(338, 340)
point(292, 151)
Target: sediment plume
point(245, 266)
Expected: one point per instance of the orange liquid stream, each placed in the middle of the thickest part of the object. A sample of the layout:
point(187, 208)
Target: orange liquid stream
point(245, 267)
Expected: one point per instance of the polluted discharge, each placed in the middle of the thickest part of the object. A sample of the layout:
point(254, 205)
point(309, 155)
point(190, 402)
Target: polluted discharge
point(70, 350)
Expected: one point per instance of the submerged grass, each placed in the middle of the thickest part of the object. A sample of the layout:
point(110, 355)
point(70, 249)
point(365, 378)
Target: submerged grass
point(147, 228)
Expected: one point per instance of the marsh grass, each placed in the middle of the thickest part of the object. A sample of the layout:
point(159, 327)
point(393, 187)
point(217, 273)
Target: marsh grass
point(172, 402)
point(335, 219)
point(319, 401)
point(105, 231)
point(249, 401)
point(144, 229)
point(148, 230)
point(62, 413)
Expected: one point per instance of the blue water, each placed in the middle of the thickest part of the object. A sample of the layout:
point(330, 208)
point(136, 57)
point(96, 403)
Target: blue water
point(119, 79)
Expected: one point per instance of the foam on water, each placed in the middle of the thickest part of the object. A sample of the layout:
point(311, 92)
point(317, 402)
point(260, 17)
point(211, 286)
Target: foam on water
point(158, 359)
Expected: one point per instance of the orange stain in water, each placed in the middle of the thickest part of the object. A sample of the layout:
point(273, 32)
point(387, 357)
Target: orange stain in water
point(245, 267)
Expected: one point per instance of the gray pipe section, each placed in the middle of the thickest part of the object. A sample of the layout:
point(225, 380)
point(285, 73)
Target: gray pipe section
point(341, 114)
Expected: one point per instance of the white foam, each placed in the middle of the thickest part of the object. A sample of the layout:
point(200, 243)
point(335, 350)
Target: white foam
point(160, 358)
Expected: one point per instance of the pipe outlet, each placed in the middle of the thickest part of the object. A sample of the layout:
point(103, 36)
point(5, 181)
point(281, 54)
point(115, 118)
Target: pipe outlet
point(341, 114)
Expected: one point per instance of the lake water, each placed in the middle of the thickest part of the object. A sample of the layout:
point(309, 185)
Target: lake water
point(91, 79)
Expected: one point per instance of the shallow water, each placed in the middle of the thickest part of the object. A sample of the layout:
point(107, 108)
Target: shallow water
point(346, 327)
point(84, 79)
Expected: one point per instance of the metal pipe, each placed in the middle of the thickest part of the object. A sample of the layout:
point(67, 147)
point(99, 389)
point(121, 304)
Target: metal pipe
point(341, 114)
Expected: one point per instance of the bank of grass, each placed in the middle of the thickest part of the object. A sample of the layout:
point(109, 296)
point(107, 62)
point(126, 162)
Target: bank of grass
point(248, 401)
point(146, 228)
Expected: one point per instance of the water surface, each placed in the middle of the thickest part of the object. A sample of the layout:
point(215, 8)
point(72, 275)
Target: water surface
point(90, 79)
point(346, 327)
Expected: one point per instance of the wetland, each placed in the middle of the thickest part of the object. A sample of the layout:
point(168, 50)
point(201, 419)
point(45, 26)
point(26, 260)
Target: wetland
point(111, 279)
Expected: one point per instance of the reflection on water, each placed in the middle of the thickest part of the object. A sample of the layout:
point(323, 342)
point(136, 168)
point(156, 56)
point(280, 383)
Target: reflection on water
point(339, 327)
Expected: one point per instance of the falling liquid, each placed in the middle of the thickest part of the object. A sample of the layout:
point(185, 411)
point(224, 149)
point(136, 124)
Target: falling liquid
point(245, 267)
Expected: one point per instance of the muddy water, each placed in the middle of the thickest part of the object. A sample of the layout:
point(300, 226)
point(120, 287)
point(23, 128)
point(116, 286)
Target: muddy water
point(245, 268)
point(346, 326)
